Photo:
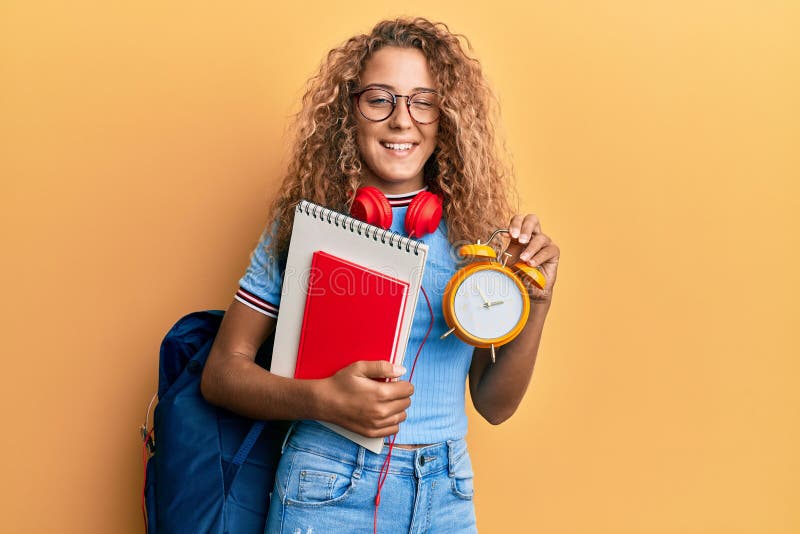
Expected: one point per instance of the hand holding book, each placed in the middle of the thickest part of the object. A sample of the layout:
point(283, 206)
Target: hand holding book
point(365, 313)
point(352, 398)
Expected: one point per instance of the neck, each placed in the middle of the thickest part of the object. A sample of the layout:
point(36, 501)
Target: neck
point(391, 188)
point(402, 199)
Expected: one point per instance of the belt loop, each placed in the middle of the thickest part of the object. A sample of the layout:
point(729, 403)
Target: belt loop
point(359, 463)
point(286, 437)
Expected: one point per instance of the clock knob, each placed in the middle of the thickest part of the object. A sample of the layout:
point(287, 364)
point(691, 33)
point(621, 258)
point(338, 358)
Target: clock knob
point(477, 251)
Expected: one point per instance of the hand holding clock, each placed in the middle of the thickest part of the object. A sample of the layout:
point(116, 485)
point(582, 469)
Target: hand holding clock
point(497, 388)
point(526, 272)
point(530, 245)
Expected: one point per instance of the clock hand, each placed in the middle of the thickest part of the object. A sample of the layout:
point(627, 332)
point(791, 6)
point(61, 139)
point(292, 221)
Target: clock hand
point(483, 296)
point(493, 303)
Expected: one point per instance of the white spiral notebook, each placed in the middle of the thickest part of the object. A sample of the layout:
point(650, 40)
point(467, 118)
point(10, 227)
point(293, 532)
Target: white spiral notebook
point(319, 229)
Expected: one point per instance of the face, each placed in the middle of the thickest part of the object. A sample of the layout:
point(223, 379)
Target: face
point(394, 151)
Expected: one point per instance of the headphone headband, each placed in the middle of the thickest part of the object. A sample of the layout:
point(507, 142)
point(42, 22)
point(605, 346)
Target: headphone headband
point(423, 216)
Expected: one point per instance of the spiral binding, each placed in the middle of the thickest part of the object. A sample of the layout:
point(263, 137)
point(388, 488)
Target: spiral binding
point(345, 222)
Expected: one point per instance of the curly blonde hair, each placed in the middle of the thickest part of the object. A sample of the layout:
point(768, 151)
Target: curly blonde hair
point(466, 168)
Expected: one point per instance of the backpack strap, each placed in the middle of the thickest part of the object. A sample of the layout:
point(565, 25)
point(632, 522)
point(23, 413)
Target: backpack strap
point(241, 455)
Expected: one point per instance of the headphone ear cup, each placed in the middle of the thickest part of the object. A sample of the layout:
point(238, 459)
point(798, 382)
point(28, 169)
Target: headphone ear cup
point(424, 214)
point(371, 206)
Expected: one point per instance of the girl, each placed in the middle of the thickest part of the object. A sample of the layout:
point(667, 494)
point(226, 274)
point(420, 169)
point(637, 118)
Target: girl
point(405, 110)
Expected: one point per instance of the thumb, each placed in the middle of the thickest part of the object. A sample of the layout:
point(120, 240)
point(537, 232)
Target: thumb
point(379, 369)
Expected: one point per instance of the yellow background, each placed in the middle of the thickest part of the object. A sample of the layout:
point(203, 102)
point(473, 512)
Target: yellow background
point(658, 141)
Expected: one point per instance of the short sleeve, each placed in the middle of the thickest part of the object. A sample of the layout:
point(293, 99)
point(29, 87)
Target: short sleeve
point(260, 287)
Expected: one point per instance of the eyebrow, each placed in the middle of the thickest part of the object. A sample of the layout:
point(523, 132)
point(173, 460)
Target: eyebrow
point(392, 88)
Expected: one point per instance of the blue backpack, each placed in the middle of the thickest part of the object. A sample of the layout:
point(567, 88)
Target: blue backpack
point(210, 470)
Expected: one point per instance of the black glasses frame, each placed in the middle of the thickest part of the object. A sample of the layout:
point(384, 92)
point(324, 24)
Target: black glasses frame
point(357, 96)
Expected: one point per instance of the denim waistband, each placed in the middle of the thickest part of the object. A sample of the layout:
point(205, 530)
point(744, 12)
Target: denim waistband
point(315, 438)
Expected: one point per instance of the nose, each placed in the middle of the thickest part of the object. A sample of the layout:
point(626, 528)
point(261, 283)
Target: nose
point(401, 117)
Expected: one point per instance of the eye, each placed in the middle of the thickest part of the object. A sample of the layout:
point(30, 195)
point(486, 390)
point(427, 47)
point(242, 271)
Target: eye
point(425, 100)
point(377, 98)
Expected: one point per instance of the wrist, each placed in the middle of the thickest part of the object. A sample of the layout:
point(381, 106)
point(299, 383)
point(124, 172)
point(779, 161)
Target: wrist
point(543, 301)
point(319, 403)
point(540, 306)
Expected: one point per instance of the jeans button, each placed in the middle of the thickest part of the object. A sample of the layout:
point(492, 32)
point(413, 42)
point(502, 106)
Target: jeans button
point(421, 460)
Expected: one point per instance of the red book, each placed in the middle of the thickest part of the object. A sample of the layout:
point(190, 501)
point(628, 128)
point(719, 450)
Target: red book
point(352, 313)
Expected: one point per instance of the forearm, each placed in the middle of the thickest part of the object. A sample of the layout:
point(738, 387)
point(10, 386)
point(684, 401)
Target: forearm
point(499, 387)
point(232, 379)
point(237, 383)
point(357, 397)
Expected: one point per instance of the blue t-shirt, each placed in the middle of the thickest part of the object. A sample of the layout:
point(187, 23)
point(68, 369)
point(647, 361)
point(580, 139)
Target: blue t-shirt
point(437, 409)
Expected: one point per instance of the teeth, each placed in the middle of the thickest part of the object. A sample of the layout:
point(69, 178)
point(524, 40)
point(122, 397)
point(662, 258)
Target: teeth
point(398, 146)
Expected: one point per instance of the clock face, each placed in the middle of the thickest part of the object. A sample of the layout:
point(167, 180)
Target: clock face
point(488, 304)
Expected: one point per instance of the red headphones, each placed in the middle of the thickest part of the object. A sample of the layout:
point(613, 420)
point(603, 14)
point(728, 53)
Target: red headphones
point(424, 213)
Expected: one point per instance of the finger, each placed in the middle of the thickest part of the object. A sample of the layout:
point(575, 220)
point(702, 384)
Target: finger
point(538, 242)
point(395, 407)
point(530, 226)
point(392, 391)
point(385, 413)
point(547, 254)
point(374, 428)
point(391, 420)
point(515, 225)
point(379, 432)
point(377, 369)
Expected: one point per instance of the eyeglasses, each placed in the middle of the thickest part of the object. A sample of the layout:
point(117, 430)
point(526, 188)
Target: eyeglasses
point(377, 105)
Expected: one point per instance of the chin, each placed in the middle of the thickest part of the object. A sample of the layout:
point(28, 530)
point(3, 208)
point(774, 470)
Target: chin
point(402, 176)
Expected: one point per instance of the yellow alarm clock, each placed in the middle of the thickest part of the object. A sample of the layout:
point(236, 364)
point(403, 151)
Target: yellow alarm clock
point(485, 303)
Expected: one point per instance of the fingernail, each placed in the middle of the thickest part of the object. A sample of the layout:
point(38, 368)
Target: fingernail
point(399, 370)
point(524, 256)
point(523, 239)
point(514, 234)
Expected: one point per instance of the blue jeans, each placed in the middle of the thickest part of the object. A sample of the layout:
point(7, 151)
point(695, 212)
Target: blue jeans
point(326, 483)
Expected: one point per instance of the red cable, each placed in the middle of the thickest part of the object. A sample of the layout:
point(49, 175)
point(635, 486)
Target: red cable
point(384, 472)
point(144, 484)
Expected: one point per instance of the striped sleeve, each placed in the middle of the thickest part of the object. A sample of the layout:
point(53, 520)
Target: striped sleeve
point(260, 287)
point(258, 304)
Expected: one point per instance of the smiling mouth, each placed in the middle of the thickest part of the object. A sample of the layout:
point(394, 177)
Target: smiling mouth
point(400, 147)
